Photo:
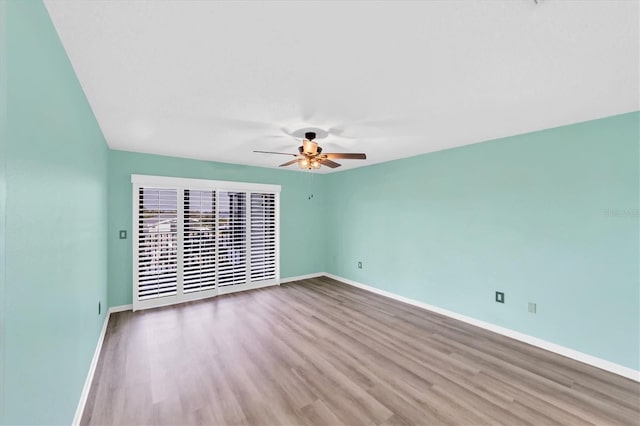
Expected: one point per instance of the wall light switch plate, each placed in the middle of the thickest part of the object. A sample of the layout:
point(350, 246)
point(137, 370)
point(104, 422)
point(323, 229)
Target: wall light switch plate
point(499, 297)
point(359, 265)
point(532, 308)
point(123, 235)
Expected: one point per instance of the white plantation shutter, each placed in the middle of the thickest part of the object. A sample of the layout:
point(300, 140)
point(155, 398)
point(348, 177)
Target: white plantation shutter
point(199, 241)
point(232, 238)
point(194, 240)
point(263, 236)
point(157, 243)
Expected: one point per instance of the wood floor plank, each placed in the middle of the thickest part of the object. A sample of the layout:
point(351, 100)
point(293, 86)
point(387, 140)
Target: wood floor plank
point(319, 352)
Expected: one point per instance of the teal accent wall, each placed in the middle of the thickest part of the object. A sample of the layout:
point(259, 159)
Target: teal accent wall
point(3, 186)
point(549, 217)
point(301, 236)
point(56, 224)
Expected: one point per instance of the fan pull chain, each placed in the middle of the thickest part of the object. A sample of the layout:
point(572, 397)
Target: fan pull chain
point(310, 184)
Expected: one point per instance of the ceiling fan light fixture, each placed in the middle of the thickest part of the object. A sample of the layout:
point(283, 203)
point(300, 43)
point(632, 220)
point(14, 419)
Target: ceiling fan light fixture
point(310, 147)
point(303, 163)
point(315, 164)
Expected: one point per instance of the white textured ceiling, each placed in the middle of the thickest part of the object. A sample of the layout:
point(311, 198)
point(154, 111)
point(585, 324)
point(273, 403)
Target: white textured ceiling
point(217, 80)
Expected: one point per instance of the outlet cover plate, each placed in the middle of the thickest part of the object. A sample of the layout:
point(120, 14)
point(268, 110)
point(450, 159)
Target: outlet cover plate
point(123, 235)
point(359, 265)
point(532, 307)
point(499, 297)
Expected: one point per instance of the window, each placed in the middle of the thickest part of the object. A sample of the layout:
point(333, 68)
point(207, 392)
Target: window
point(199, 246)
point(157, 243)
point(263, 236)
point(232, 222)
point(198, 238)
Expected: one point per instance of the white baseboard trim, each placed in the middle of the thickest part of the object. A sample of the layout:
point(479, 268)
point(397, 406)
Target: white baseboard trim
point(301, 277)
point(534, 341)
point(94, 363)
point(120, 308)
point(92, 369)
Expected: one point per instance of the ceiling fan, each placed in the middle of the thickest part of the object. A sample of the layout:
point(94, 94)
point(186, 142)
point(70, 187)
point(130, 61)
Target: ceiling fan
point(310, 155)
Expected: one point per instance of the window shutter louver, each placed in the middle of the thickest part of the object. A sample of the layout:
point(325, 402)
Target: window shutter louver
point(199, 241)
point(263, 236)
point(157, 243)
point(193, 240)
point(232, 238)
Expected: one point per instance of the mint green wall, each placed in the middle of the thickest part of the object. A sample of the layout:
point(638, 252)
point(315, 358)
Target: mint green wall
point(3, 193)
point(301, 239)
point(56, 223)
point(549, 217)
point(3, 186)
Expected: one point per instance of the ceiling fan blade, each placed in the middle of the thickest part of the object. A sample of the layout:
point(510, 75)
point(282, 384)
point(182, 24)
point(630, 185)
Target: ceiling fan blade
point(288, 163)
point(329, 163)
point(271, 152)
point(287, 132)
point(346, 156)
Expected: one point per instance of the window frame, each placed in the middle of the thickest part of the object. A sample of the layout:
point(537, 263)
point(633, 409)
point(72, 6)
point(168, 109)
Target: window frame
point(181, 184)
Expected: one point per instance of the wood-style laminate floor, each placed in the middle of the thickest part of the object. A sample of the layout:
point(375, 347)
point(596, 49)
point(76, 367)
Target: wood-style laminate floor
point(319, 352)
